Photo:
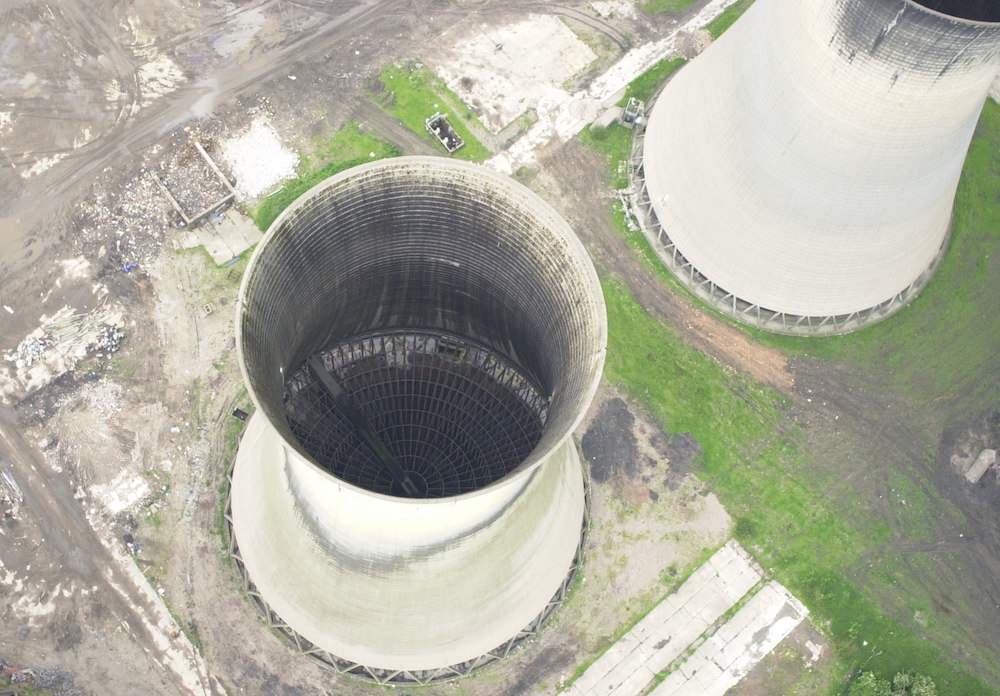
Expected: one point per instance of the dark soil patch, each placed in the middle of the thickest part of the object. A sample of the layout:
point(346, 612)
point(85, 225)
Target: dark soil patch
point(542, 667)
point(610, 443)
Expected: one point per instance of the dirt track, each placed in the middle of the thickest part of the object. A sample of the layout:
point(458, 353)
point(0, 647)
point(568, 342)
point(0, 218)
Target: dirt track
point(55, 534)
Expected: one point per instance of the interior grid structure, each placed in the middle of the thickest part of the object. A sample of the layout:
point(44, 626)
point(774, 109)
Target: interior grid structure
point(454, 414)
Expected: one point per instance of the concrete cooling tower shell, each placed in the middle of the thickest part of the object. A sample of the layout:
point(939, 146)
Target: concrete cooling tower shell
point(420, 337)
point(800, 173)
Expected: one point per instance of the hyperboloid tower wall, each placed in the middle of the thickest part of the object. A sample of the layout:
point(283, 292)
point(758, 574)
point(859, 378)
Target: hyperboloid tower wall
point(800, 173)
point(420, 337)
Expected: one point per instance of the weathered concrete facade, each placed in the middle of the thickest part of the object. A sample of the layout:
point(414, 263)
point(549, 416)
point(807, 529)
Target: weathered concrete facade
point(451, 290)
point(800, 173)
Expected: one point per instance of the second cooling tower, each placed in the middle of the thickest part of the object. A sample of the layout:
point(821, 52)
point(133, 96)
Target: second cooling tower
point(420, 338)
point(800, 174)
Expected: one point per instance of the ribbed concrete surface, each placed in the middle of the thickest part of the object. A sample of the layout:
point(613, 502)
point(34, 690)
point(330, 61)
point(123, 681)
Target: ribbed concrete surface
point(424, 244)
point(807, 161)
point(402, 585)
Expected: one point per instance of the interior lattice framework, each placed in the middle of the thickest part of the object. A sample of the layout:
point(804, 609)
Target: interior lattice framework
point(455, 415)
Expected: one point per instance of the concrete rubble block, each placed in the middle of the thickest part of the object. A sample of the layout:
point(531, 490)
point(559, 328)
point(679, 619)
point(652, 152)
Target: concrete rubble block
point(986, 459)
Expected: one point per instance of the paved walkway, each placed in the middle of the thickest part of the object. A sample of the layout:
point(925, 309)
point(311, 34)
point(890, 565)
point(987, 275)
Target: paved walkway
point(564, 114)
point(677, 624)
point(224, 240)
point(727, 656)
point(665, 633)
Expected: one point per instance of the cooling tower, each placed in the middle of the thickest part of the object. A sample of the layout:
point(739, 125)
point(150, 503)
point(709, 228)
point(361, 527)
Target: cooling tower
point(800, 173)
point(420, 337)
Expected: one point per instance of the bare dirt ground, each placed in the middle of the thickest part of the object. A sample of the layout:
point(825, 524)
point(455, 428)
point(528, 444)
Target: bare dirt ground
point(120, 460)
point(119, 455)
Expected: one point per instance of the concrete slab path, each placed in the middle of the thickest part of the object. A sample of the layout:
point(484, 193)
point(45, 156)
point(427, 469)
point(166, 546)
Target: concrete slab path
point(727, 656)
point(224, 240)
point(665, 634)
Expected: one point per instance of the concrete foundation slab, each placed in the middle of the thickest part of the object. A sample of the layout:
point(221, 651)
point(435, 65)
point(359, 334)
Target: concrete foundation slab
point(223, 240)
point(664, 634)
point(739, 644)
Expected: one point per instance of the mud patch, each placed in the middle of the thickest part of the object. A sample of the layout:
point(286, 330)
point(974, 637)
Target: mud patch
point(610, 444)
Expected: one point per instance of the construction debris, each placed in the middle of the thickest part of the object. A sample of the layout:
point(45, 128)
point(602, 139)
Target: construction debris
point(57, 682)
point(438, 126)
point(60, 343)
point(986, 459)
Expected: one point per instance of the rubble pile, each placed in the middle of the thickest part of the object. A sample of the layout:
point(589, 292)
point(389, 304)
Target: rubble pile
point(29, 351)
point(57, 682)
point(191, 180)
point(128, 217)
point(108, 340)
point(67, 338)
point(130, 222)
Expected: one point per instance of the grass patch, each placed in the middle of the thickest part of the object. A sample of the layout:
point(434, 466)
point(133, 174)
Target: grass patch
point(835, 559)
point(230, 439)
point(413, 93)
point(613, 142)
point(657, 6)
point(644, 86)
point(725, 20)
point(348, 148)
point(953, 324)
point(751, 459)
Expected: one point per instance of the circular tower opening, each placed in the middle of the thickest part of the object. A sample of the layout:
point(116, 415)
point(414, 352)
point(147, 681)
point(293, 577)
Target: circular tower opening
point(972, 10)
point(421, 328)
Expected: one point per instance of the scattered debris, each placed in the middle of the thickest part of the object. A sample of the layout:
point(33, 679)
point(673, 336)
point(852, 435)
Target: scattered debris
point(123, 493)
point(60, 343)
point(634, 113)
point(258, 159)
point(57, 681)
point(438, 126)
point(815, 651)
point(986, 459)
point(691, 43)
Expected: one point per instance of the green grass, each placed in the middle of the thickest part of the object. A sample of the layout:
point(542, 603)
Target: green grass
point(232, 430)
point(955, 317)
point(751, 459)
point(657, 6)
point(613, 141)
point(412, 94)
point(725, 20)
point(348, 148)
point(773, 487)
point(646, 84)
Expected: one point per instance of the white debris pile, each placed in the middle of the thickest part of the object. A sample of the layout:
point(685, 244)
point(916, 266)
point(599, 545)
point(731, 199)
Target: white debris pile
point(59, 344)
point(123, 492)
point(258, 159)
point(614, 8)
point(29, 351)
point(108, 340)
